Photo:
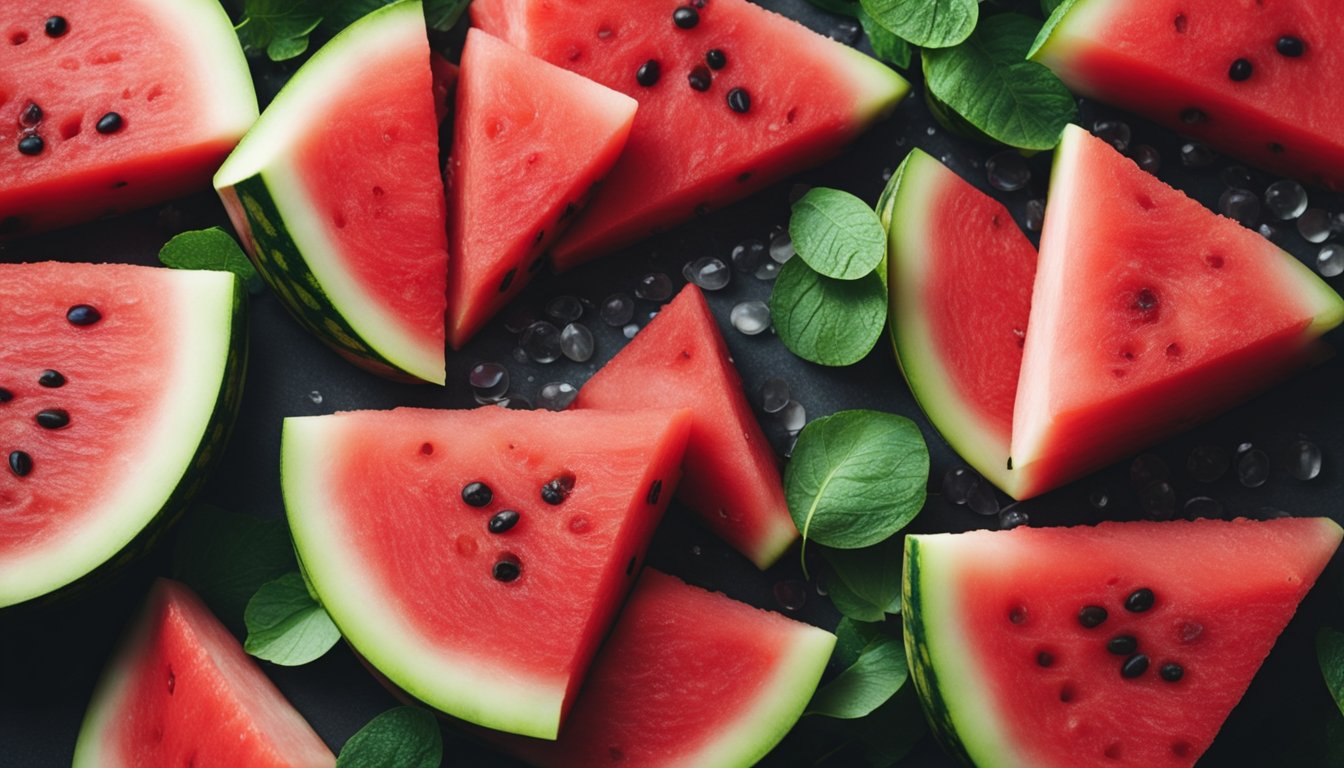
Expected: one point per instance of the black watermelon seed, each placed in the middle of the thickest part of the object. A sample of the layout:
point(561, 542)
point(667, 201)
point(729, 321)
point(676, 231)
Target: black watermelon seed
point(109, 123)
point(503, 520)
point(655, 491)
point(507, 281)
point(1045, 659)
point(83, 314)
point(540, 236)
point(20, 463)
point(5, 395)
point(744, 177)
point(32, 144)
point(686, 17)
point(1240, 70)
point(507, 568)
point(477, 494)
point(1172, 672)
point(1193, 115)
point(555, 491)
point(1134, 666)
point(31, 116)
point(1140, 600)
point(700, 79)
point(1291, 46)
point(716, 59)
point(1091, 616)
point(53, 418)
point(56, 26)
point(1276, 147)
point(739, 101)
point(1122, 645)
point(51, 379)
point(649, 73)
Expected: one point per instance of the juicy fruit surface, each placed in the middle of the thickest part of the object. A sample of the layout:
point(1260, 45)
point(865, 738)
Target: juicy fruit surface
point(688, 678)
point(1149, 314)
point(407, 568)
point(530, 142)
point(989, 604)
point(182, 692)
point(1171, 59)
point(732, 478)
point(688, 148)
point(132, 59)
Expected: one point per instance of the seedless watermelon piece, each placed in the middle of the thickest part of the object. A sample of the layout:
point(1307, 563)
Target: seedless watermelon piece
point(337, 196)
point(1017, 639)
point(960, 276)
point(1177, 62)
point(182, 692)
point(1149, 313)
point(732, 477)
point(118, 388)
point(531, 141)
point(804, 97)
point(688, 679)
point(486, 604)
point(108, 107)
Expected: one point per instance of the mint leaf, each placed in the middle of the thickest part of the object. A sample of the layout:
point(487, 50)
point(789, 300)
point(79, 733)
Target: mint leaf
point(837, 234)
point(856, 478)
point(926, 23)
point(866, 583)
point(285, 625)
point(826, 321)
point(226, 557)
point(851, 637)
point(1330, 655)
point(442, 15)
point(987, 82)
point(866, 685)
point(212, 249)
point(839, 7)
point(886, 45)
point(405, 737)
point(278, 27)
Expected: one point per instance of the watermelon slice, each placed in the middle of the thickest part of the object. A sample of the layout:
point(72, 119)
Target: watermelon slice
point(960, 275)
point(337, 196)
point(1149, 314)
point(1246, 78)
point(479, 575)
point(783, 99)
point(182, 692)
point(732, 477)
point(530, 143)
point(1126, 644)
point(108, 107)
point(144, 366)
point(688, 678)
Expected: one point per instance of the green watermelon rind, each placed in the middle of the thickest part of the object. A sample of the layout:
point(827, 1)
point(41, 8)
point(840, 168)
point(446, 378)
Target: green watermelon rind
point(288, 240)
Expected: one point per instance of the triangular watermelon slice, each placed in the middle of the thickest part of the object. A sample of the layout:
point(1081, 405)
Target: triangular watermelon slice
point(531, 140)
point(479, 575)
point(782, 98)
point(688, 678)
point(1149, 313)
point(182, 692)
point(732, 477)
point(1126, 644)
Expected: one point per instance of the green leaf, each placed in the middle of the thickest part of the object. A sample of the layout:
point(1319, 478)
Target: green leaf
point(987, 81)
point(856, 478)
point(851, 637)
point(1053, 18)
point(442, 15)
point(826, 321)
point(212, 249)
point(226, 557)
point(285, 625)
point(279, 27)
point(867, 582)
point(1048, 6)
point(840, 7)
point(926, 23)
point(886, 45)
point(1330, 655)
point(405, 737)
point(837, 234)
point(866, 685)
point(340, 14)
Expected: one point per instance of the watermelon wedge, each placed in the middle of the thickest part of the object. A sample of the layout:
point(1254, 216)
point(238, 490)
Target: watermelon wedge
point(108, 107)
point(145, 367)
point(531, 141)
point(337, 197)
point(182, 692)
point(959, 276)
point(679, 360)
point(688, 678)
point(1126, 644)
point(479, 575)
point(783, 99)
point(1149, 313)
point(1245, 78)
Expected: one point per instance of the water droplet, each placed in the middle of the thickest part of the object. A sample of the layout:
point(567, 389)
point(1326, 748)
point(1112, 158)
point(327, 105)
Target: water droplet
point(1237, 177)
point(1253, 468)
point(566, 309)
point(630, 330)
point(1314, 225)
point(768, 270)
point(791, 594)
point(1114, 132)
point(958, 482)
point(1202, 507)
point(1241, 206)
point(556, 396)
point(1207, 463)
point(793, 416)
point(617, 309)
point(982, 500)
point(1147, 468)
point(1330, 260)
point(750, 317)
point(1148, 158)
point(1267, 232)
point(1099, 499)
point(1158, 500)
point(1008, 171)
point(786, 444)
point(654, 286)
point(696, 550)
point(774, 395)
point(576, 342)
point(517, 320)
point(489, 382)
point(1270, 513)
point(1304, 460)
point(1286, 199)
point(747, 255)
point(1196, 155)
point(1011, 518)
point(315, 397)
point(708, 272)
point(541, 342)
point(781, 247)
point(1035, 215)
point(930, 131)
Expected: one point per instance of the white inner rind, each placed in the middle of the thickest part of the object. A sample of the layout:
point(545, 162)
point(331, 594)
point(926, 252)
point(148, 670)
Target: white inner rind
point(198, 312)
point(878, 88)
point(490, 693)
point(1077, 29)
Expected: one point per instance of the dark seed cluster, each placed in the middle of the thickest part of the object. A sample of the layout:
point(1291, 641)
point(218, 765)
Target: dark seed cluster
point(31, 143)
point(508, 567)
point(556, 490)
point(701, 77)
point(1136, 663)
point(20, 461)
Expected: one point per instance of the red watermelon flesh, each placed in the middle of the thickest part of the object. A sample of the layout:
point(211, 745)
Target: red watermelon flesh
point(181, 692)
point(732, 476)
point(1149, 313)
point(688, 678)
point(1172, 61)
point(689, 150)
point(411, 572)
point(531, 141)
point(1009, 633)
point(170, 70)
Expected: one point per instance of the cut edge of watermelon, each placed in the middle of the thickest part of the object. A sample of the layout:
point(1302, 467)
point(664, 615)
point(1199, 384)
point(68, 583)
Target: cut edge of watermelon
point(1062, 34)
point(204, 314)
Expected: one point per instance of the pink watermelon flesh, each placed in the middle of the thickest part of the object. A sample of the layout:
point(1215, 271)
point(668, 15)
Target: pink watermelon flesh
point(184, 101)
point(530, 143)
point(689, 150)
point(732, 476)
point(1221, 594)
point(181, 692)
point(682, 681)
point(1171, 60)
point(1149, 313)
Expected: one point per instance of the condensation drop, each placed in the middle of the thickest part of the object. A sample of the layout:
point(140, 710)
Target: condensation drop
point(781, 248)
point(1253, 468)
point(654, 286)
point(750, 317)
point(1207, 463)
point(1314, 225)
point(1330, 260)
point(1158, 500)
point(1241, 206)
point(617, 309)
point(958, 482)
point(982, 500)
point(793, 416)
point(1114, 132)
point(774, 395)
point(1035, 215)
point(1202, 507)
point(556, 396)
point(747, 255)
point(1008, 171)
point(1285, 199)
point(541, 342)
point(1196, 155)
point(566, 309)
point(576, 342)
point(1304, 460)
point(1147, 157)
point(791, 594)
point(708, 272)
point(489, 382)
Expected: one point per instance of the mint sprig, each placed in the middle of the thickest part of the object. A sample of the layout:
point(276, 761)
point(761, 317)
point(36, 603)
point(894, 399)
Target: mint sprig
point(405, 737)
point(285, 625)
